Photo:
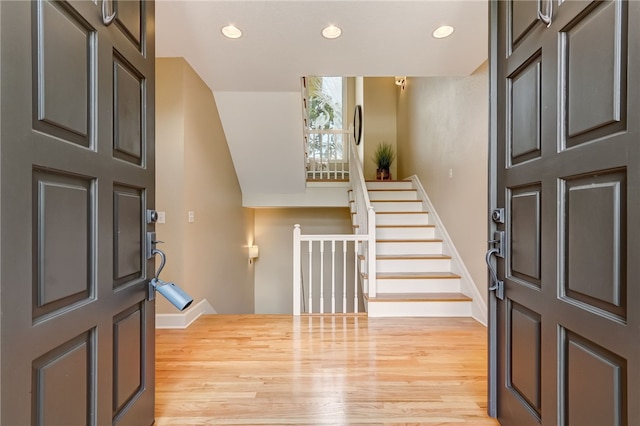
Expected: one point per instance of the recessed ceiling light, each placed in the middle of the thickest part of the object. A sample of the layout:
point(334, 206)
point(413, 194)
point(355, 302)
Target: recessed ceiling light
point(231, 31)
point(331, 32)
point(443, 31)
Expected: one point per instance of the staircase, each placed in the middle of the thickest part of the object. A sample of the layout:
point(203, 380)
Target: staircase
point(414, 277)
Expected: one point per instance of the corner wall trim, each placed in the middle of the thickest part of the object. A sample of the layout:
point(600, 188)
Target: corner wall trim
point(184, 319)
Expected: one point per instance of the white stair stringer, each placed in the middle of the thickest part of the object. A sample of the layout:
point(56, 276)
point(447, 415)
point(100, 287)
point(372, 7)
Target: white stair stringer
point(414, 275)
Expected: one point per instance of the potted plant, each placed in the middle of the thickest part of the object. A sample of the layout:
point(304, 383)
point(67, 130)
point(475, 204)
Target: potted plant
point(383, 157)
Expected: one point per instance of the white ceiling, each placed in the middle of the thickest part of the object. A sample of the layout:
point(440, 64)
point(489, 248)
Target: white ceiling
point(282, 42)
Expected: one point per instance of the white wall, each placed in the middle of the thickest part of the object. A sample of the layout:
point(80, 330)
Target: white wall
point(274, 236)
point(443, 127)
point(194, 172)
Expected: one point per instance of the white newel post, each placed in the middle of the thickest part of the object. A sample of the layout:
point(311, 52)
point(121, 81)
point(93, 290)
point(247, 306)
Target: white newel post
point(297, 284)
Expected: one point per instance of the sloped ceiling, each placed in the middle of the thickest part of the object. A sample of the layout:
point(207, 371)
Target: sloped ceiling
point(256, 79)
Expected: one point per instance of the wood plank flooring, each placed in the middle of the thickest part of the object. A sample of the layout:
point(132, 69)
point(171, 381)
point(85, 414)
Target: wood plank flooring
point(322, 370)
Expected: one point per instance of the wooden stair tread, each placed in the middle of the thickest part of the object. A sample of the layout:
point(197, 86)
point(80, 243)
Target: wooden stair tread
point(405, 226)
point(396, 201)
point(429, 240)
point(416, 275)
point(391, 189)
point(412, 256)
point(377, 180)
point(419, 297)
point(401, 212)
point(413, 276)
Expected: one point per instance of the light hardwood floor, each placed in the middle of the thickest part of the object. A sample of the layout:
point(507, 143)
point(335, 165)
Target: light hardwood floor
point(330, 370)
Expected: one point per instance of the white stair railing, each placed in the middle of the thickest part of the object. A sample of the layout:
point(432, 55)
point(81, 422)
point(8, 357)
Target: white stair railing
point(325, 273)
point(327, 154)
point(317, 274)
point(365, 219)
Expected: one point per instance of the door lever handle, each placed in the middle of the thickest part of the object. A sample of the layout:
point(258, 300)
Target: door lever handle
point(548, 17)
point(497, 285)
point(163, 260)
point(106, 18)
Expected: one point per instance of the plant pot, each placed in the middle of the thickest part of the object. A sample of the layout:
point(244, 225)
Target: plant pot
point(383, 174)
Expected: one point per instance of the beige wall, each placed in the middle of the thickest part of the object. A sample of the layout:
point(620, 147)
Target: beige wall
point(443, 126)
point(274, 236)
point(379, 120)
point(194, 172)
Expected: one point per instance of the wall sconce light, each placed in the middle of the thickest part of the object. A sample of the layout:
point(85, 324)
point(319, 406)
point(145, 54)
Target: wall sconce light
point(401, 81)
point(254, 251)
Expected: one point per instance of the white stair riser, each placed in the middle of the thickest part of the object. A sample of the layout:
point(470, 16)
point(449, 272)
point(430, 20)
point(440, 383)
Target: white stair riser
point(418, 285)
point(413, 265)
point(409, 248)
point(405, 233)
point(390, 185)
point(397, 206)
point(393, 195)
point(403, 219)
point(418, 309)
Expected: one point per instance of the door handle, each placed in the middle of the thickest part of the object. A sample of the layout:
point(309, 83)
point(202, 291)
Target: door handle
point(496, 284)
point(171, 291)
point(546, 18)
point(106, 18)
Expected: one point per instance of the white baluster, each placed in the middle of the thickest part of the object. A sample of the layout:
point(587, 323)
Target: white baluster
point(371, 255)
point(310, 309)
point(355, 278)
point(321, 276)
point(297, 271)
point(344, 276)
point(333, 276)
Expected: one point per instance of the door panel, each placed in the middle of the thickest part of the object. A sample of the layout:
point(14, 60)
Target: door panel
point(70, 367)
point(64, 216)
point(594, 54)
point(524, 105)
point(127, 235)
point(129, 97)
point(525, 234)
point(523, 17)
point(128, 377)
point(594, 242)
point(608, 371)
point(64, 57)
point(567, 158)
point(128, 19)
point(524, 348)
point(76, 177)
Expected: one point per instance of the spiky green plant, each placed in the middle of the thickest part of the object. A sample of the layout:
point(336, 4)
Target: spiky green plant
point(384, 156)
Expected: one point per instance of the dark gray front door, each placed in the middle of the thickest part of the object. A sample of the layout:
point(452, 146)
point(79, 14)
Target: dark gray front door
point(567, 129)
point(76, 176)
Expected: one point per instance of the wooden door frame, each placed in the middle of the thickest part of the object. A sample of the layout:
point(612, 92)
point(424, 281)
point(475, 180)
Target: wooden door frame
point(492, 335)
point(0, 199)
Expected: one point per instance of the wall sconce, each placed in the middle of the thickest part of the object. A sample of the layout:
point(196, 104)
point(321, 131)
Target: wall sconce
point(401, 81)
point(254, 251)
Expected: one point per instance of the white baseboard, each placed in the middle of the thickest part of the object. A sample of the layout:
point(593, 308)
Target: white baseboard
point(184, 319)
